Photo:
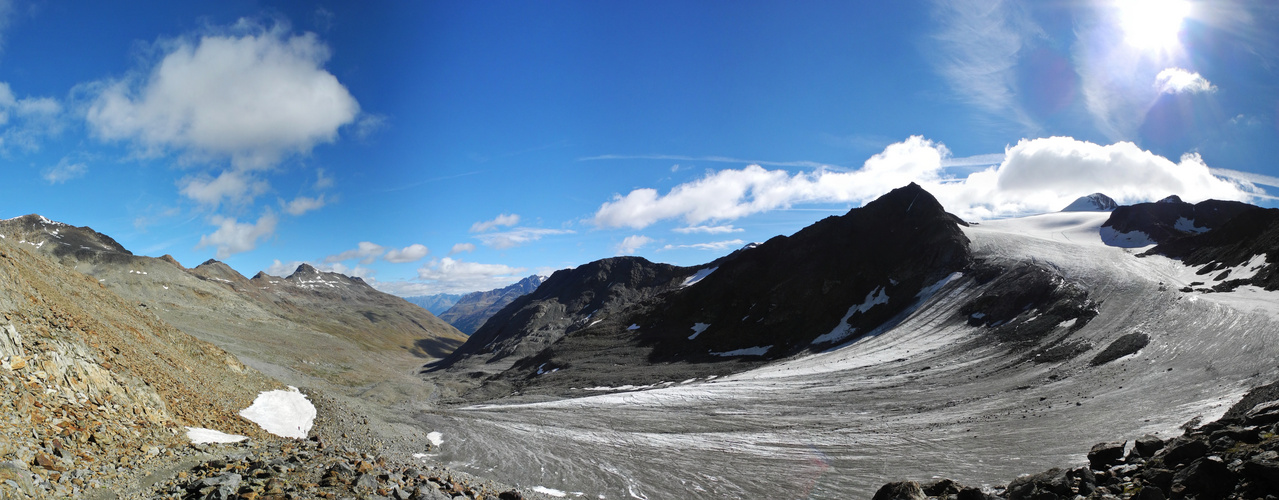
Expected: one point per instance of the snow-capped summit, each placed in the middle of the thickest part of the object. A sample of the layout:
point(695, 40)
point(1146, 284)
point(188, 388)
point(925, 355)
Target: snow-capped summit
point(1095, 202)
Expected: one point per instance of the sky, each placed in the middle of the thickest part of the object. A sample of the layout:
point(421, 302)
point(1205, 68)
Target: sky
point(449, 147)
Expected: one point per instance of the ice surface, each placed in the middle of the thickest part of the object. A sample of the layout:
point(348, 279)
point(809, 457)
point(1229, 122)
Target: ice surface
point(200, 435)
point(699, 276)
point(698, 328)
point(283, 413)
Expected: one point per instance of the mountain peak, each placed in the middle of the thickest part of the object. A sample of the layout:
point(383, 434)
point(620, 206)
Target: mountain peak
point(1096, 202)
point(305, 269)
point(1171, 199)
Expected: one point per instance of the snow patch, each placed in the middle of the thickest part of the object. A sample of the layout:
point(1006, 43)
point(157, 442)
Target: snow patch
point(1188, 226)
point(1132, 239)
point(200, 435)
point(842, 330)
point(699, 276)
point(435, 438)
point(283, 413)
point(1068, 323)
point(633, 327)
point(749, 351)
point(698, 328)
point(550, 491)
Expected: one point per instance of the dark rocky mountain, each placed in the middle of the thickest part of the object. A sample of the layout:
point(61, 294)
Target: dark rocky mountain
point(625, 320)
point(1242, 251)
point(473, 309)
point(437, 303)
point(1095, 202)
point(1167, 220)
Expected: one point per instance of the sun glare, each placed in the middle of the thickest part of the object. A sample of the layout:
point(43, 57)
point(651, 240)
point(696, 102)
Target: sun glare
point(1152, 24)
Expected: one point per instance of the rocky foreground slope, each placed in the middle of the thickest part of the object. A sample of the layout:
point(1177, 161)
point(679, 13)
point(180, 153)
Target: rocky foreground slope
point(94, 385)
point(1235, 457)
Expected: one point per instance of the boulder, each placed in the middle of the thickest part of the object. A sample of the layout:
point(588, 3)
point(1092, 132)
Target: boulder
point(1039, 486)
point(905, 490)
point(1205, 479)
point(1103, 456)
point(1146, 446)
point(1182, 450)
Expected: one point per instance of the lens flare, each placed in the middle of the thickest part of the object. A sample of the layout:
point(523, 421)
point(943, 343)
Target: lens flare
point(1152, 24)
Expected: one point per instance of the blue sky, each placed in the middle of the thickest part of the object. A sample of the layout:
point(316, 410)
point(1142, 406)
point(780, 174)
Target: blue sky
point(458, 146)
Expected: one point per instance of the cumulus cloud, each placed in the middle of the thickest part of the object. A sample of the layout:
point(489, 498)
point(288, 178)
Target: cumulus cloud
point(632, 243)
point(234, 237)
point(504, 220)
point(278, 268)
point(707, 229)
point(1037, 175)
point(253, 96)
point(407, 254)
point(64, 171)
point(1180, 81)
point(455, 276)
point(322, 181)
point(366, 251)
point(462, 247)
point(518, 236)
point(714, 245)
point(303, 204)
point(230, 185)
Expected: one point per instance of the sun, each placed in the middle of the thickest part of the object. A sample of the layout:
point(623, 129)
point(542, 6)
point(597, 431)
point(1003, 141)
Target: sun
point(1152, 24)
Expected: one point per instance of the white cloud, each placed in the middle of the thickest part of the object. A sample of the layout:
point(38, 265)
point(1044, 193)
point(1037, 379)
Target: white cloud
point(253, 96)
point(366, 251)
point(462, 247)
point(731, 194)
point(978, 49)
point(707, 229)
point(230, 185)
point(30, 119)
point(455, 276)
point(632, 243)
point(303, 204)
point(234, 237)
point(504, 220)
point(64, 171)
point(407, 254)
point(283, 269)
point(1180, 81)
point(518, 236)
point(1038, 175)
point(322, 181)
point(714, 245)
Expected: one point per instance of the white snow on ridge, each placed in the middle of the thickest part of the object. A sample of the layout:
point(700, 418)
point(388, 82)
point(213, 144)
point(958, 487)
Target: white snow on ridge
point(200, 435)
point(699, 276)
point(698, 328)
point(283, 413)
point(842, 330)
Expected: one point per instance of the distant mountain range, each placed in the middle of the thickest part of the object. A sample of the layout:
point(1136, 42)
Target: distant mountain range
point(470, 311)
point(437, 303)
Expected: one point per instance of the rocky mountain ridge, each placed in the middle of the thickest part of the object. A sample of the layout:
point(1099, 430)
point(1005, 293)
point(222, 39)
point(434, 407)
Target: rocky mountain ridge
point(470, 311)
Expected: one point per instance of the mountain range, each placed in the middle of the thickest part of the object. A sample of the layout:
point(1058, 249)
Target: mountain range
point(930, 344)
